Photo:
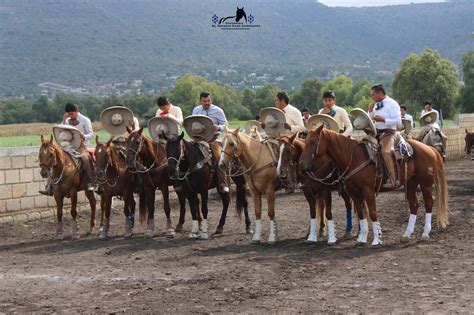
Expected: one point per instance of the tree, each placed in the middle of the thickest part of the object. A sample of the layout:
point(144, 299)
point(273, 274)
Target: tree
point(265, 96)
point(309, 94)
point(342, 86)
point(360, 95)
point(427, 78)
point(466, 98)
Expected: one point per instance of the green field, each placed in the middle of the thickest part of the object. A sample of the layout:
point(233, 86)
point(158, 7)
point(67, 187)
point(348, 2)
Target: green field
point(34, 140)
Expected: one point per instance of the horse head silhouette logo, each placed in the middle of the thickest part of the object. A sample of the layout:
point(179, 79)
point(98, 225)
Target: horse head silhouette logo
point(239, 14)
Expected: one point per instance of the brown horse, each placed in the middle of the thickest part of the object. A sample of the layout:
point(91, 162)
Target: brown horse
point(359, 176)
point(259, 172)
point(148, 159)
point(66, 179)
point(113, 175)
point(316, 191)
point(469, 139)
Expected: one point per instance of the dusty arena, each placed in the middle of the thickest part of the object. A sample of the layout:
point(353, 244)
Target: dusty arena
point(229, 274)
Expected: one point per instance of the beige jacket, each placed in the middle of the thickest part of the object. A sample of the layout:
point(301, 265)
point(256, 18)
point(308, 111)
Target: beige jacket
point(174, 112)
point(342, 119)
point(294, 118)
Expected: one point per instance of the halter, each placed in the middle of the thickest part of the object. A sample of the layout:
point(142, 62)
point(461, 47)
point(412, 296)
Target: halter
point(136, 159)
point(234, 154)
point(53, 180)
point(111, 182)
point(285, 181)
point(178, 162)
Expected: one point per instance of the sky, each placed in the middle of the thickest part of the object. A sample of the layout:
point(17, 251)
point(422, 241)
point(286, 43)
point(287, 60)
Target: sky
point(362, 3)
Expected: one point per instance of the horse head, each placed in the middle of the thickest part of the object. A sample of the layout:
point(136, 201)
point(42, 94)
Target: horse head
point(103, 157)
point(174, 155)
point(469, 139)
point(239, 14)
point(230, 147)
point(287, 155)
point(315, 146)
point(135, 145)
point(47, 156)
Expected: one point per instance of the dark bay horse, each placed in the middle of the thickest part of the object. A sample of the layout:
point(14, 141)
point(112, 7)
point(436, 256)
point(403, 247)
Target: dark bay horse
point(359, 175)
point(113, 175)
point(148, 159)
point(469, 140)
point(190, 164)
point(316, 191)
point(59, 167)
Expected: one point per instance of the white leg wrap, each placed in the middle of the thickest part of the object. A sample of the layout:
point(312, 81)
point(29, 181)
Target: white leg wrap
point(203, 234)
point(331, 233)
point(411, 226)
point(377, 229)
point(257, 236)
point(194, 230)
point(364, 231)
point(150, 229)
point(427, 228)
point(313, 232)
point(272, 235)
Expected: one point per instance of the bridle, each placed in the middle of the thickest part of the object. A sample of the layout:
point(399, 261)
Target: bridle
point(111, 182)
point(178, 161)
point(50, 168)
point(137, 160)
point(234, 154)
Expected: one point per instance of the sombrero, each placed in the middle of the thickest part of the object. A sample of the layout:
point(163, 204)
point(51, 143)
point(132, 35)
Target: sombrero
point(428, 118)
point(163, 124)
point(362, 121)
point(199, 127)
point(274, 121)
point(67, 136)
point(406, 126)
point(115, 120)
point(326, 120)
point(253, 124)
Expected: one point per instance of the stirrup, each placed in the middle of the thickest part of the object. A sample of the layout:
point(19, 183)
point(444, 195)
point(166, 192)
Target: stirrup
point(46, 192)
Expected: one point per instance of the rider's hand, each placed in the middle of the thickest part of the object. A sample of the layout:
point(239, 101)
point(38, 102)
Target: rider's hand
point(65, 116)
point(371, 107)
point(216, 128)
point(325, 110)
point(379, 118)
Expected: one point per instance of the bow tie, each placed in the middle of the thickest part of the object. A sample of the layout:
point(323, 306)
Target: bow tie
point(332, 113)
point(379, 105)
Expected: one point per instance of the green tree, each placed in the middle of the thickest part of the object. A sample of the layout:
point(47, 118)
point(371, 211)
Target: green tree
point(265, 96)
point(466, 98)
point(247, 99)
point(427, 77)
point(309, 94)
point(360, 95)
point(342, 86)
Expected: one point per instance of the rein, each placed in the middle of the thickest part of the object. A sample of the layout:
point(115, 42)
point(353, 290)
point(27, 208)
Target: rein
point(190, 170)
point(57, 180)
point(137, 161)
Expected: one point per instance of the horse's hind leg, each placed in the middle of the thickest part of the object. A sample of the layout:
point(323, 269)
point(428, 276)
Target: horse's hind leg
point(182, 212)
point(75, 225)
point(193, 205)
point(332, 239)
point(106, 205)
point(204, 233)
point(272, 235)
point(369, 196)
point(59, 214)
point(166, 207)
point(150, 202)
point(92, 203)
point(363, 224)
point(428, 199)
point(348, 204)
point(413, 202)
point(225, 197)
point(129, 213)
point(257, 201)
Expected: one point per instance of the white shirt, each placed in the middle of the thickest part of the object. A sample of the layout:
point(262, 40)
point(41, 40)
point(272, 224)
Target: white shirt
point(342, 119)
point(174, 112)
point(389, 109)
point(432, 110)
point(410, 118)
point(294, 118)
point(84, 126)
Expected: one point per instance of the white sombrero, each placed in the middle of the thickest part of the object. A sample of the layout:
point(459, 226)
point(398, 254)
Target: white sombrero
point(199, 127)
point(253, 124)
point(116, 119)
point(273, 120)
point(163, 124)
point(326, 120)
point(67, 137)
point(362, 121)
point(428, 118)
point(406, 126)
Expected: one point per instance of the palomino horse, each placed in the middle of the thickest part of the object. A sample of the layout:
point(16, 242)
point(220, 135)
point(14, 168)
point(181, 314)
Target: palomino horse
point(359, 175)
point(112, 173)
point(148, 159)
point(190, 163)
point(66, 178)
point(317, 188)
point(260, 173)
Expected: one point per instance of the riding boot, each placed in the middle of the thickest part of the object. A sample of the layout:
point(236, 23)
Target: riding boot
point(48, 190)
point(89, 178)
point(216, 148)
point(390, 164)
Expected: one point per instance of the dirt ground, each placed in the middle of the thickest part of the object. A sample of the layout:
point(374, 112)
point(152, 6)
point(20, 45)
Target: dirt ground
point(229, 274)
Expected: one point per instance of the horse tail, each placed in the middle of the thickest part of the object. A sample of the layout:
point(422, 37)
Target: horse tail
point(142, 208)
point(441, 187)
point(241, 202)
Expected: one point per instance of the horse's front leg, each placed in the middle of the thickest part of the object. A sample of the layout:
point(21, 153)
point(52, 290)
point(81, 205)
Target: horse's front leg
point(363, 224)
point(129, 213)
point(320, 213)
point(150, 202)
point(369, 196)
point(257, 202)
point(312, 236)
point(272, 235)
point(182, 212)
point(348, 204)
point(193, 205)
point(204, 233)
point(167, 209)
point(59, 213)
point(75, 225)
point(331, 226)
point(92, 203)
point(225, 198)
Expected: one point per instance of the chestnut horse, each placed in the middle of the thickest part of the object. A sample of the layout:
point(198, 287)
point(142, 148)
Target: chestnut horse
point(316, 191)
point(59, 167)
point(113, 175)
point(359, 176)
point(148, 159)
point(259, 171)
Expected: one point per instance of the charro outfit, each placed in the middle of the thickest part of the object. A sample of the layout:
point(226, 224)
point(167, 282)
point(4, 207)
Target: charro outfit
point(174, 112)
point(294, 118)
point(342, 118)
point(434, 125)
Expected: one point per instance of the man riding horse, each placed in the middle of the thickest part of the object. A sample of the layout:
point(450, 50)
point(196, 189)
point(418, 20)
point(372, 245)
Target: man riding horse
point(430, 132)
point(338, 113)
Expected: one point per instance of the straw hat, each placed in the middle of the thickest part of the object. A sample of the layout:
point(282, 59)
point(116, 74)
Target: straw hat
point(252, 124)
point(199, 127)
point(362, 121)
point(406, 126)
point(428, 118)
point(326, 120)
point(163, 124)
point(274, 121)
point(115, 119)
point(67, 136)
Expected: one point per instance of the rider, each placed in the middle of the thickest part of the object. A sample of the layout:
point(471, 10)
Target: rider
point(166, 109)
point(338, 113)
point(294, 118)
point(73, 117)
point(217, 115)
point(428, 107)
point(386, 114)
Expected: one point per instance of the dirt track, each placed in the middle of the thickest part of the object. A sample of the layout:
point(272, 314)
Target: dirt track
point(228, 274)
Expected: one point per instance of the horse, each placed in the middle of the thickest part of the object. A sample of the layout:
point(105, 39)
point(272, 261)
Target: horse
point(358, 174)
point(317, 192)
point(190, 163)
point(239, 14)
point(113, 175)
point(469, 140)
point(259, 171)
point(148, 159)
point(66, 178)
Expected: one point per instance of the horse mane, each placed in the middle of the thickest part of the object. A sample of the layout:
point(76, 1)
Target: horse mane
point(343, 143)
point(59, 151)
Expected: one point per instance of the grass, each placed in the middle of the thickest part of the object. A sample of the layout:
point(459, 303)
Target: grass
point(25, 135)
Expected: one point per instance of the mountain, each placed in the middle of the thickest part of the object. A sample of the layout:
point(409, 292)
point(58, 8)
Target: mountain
point(76, 42)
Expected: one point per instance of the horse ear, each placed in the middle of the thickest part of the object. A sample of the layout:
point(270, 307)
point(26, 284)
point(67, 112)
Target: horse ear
point(110, 141)
point(466, 130)
point(318, 130)
point(97, 141)
point(51, 139)
point(226, 129)
point(181, 136)
point(140, 131)
point(42, 139)
point(129, 130)
point(242, 8)
point(236, 131)
point(164, 135)
point(292, 138)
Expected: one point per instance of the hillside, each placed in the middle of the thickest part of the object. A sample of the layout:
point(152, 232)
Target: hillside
point(88, 41)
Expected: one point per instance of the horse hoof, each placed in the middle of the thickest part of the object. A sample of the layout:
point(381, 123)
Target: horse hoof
point(322, 233)
point(248, 231)
point(347, 235)
point(255, 241)
point(102, 237)
point(425, 237)
point(219, 231)
point(360, 244)
point(127, 236)
point(193, 236)
point(404, 239)
point(179, 228)
point(375, 246)
point(76, 237)
point(271, 242)
point(148, 234)
point(203, 236)
point(331, 243)
point(170, 233)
